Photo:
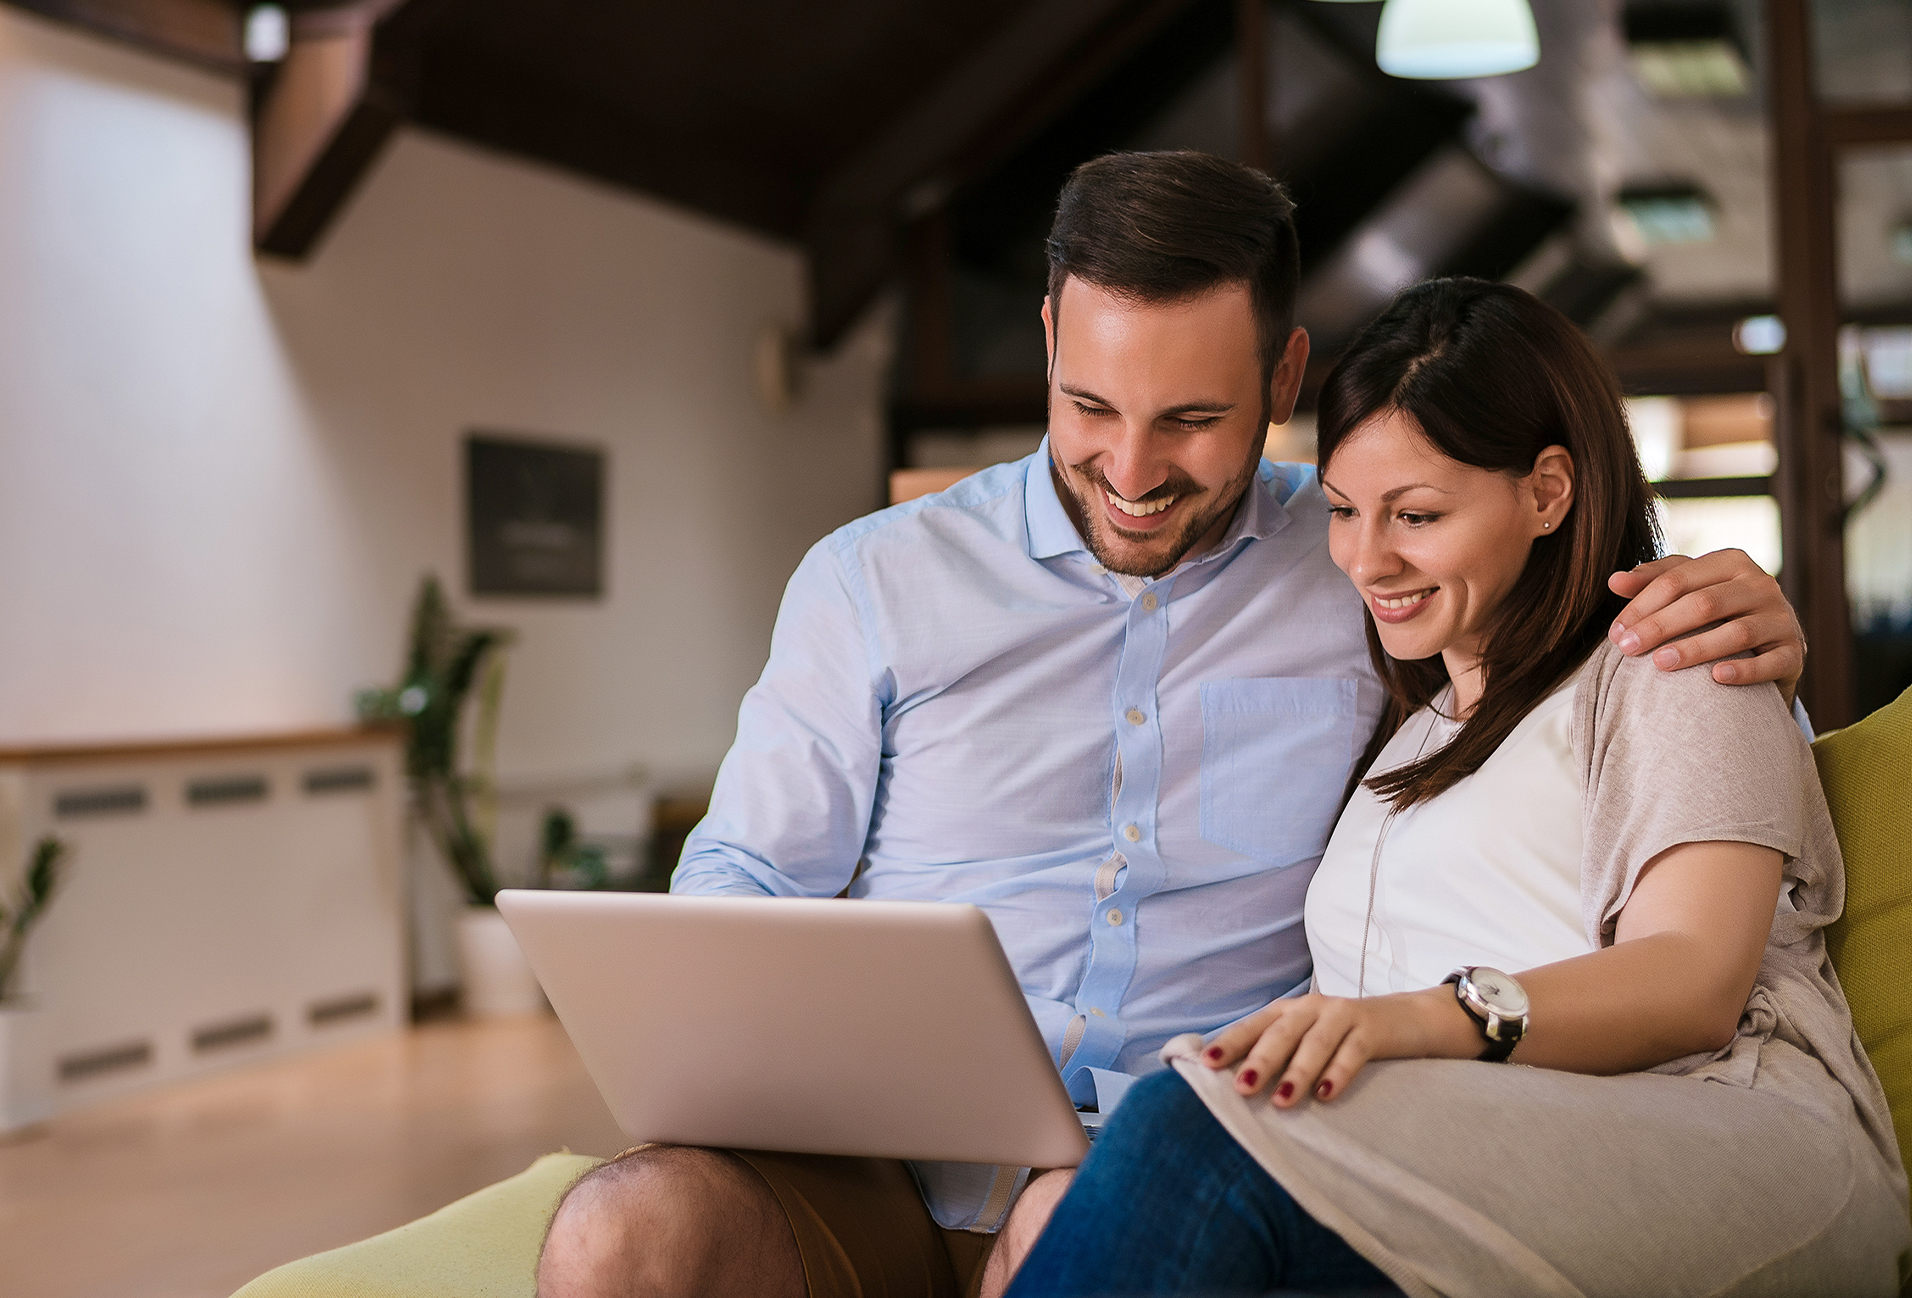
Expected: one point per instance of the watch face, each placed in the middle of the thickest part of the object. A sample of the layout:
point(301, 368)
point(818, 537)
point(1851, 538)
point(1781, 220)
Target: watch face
point(1506, 996)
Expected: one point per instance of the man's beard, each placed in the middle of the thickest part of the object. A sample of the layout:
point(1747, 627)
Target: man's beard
point(1164, 550)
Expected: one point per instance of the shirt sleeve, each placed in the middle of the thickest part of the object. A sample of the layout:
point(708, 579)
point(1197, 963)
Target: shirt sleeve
point(791, 807)
point(1803, 721)
point(1675, 757)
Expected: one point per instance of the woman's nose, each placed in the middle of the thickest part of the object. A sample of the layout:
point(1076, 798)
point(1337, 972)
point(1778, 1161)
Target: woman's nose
point(1373, 558)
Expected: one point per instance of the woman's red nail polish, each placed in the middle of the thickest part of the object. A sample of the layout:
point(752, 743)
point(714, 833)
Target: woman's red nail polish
point(1214, 1052)
point(1249, 1077)
point(1285, 1091)
point(1324, 1090)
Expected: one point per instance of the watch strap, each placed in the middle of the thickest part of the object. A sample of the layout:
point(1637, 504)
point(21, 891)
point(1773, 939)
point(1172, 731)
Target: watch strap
point(1498, 1048)
point(1499, 1042)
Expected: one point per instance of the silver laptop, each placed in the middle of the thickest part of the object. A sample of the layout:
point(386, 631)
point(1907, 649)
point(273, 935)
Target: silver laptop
point(888, 1029)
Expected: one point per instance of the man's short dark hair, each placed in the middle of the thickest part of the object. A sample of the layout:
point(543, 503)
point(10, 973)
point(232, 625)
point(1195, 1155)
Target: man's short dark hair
point(1164, 227)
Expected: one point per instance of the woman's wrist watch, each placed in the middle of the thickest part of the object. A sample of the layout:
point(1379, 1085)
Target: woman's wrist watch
point(1496, 1002)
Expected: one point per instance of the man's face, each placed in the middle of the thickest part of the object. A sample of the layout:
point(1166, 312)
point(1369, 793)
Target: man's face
point(1157, 415)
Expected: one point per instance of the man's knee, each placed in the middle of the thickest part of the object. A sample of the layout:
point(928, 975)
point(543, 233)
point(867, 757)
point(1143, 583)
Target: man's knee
point(1035, 1207)
point(668, 1221)
point(1019, 1233)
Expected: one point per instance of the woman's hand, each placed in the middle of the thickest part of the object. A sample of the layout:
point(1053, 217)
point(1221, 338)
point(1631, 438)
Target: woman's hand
point(1687, 949)
point(1314, 1045)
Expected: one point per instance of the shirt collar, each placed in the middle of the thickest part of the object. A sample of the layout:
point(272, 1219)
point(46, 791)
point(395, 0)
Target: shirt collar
point(1052, 532)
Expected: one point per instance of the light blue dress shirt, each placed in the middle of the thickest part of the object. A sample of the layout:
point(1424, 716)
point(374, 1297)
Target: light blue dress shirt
point(1134, 779)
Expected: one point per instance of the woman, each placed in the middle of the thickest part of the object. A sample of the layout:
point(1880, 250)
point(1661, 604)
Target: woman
point(1648, 852)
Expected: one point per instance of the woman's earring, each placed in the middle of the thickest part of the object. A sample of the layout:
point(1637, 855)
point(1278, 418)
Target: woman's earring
point(1545, 526)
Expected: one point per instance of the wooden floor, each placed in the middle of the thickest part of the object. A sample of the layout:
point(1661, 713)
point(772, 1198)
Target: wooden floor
point(190, 1191)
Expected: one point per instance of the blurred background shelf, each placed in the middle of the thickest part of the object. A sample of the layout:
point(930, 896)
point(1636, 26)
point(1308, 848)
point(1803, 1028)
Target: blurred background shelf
point(225, 900)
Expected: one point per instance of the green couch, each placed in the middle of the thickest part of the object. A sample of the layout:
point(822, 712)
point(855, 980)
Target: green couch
point(483, 1246)
point(486, 1245)
point(1866, 770)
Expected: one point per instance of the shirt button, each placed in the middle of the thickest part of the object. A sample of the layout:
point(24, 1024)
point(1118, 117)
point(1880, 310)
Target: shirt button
point(1135, 716)
point(1115, 918)
point(1097, 1011)
point(1132, 833)
point(1149, 602)
point(1100, 571)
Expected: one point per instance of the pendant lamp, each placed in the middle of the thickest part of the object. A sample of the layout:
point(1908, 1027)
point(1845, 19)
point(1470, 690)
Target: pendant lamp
point(1443, 40)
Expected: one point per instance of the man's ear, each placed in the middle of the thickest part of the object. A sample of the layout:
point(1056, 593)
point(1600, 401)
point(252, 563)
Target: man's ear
point(1552, 485)
point(1285, 386)
point(1049, 336)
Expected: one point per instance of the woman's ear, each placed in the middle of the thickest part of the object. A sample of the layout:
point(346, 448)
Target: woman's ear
point(1552, 485)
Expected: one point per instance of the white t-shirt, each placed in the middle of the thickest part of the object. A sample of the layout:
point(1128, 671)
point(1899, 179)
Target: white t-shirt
point(1486, 873)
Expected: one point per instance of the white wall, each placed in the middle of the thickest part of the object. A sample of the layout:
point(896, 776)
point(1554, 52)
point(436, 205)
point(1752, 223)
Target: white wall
point(220, 480)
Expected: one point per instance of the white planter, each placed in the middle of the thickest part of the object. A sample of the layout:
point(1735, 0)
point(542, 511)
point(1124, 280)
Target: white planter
point(26, 1070)
point(494, 975)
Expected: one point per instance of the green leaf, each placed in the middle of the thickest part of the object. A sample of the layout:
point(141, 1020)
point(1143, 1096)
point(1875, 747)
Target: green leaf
point(36, 892)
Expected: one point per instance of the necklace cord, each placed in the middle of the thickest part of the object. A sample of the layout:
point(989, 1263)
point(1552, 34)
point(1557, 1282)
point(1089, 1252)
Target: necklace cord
point(1374, 864)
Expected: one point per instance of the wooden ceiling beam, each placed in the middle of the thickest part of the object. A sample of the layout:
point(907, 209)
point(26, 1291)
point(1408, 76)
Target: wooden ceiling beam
point(1868, 124)
point(322, 116)
point(1017, 83)
point(478, 91)
point(1688, 367)
point(209, 33)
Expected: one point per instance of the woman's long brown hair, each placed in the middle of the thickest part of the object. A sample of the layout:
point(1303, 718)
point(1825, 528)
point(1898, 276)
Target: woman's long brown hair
point(1494, 376)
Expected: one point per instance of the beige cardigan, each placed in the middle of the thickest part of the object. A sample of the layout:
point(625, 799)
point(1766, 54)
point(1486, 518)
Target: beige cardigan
point(1768, 1168)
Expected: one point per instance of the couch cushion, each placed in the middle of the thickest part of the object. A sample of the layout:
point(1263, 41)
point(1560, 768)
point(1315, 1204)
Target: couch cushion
point(484, 1246)
point(1867, 773)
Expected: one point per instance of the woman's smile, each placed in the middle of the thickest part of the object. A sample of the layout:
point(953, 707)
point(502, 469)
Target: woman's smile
point(1400, 607)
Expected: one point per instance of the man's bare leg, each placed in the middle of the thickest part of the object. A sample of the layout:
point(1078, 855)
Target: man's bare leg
point(1018, 1234)
point(671, 1222)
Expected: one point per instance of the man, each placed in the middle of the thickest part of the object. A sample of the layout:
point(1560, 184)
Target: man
point(1111, 693)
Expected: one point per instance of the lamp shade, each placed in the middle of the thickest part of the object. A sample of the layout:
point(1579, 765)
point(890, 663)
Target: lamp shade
point(1446, 39)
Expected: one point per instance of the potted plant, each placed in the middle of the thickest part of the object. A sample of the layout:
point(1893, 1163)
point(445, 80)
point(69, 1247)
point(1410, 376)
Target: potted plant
point(26, 1080)
point(447, 664)
point(567, 860)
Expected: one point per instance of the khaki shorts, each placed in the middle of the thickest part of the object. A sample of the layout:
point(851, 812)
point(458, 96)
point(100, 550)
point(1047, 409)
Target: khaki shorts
point(864, 1232)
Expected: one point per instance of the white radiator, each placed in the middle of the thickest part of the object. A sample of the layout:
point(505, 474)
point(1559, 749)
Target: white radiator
point(222, 902)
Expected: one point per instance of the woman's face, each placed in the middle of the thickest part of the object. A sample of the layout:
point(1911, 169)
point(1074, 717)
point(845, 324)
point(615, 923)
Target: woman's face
point(1432, 544)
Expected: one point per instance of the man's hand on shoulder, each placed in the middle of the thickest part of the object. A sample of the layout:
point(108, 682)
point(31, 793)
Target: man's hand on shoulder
point(1675, 596)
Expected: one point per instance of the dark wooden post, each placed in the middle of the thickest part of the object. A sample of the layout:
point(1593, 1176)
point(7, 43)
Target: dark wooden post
point(1810, 424)
point(1251, 56)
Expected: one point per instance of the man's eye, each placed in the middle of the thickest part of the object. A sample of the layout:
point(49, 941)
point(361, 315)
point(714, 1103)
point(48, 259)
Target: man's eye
point(1194, 425)
point(1083, 409)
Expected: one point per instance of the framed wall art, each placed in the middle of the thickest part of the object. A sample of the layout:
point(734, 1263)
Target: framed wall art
point(534, 516)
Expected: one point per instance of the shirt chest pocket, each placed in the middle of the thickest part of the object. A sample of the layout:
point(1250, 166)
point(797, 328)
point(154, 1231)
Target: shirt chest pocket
point(1276, 755)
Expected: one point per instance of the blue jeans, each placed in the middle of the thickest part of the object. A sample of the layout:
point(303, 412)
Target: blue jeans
point(1168, 1203)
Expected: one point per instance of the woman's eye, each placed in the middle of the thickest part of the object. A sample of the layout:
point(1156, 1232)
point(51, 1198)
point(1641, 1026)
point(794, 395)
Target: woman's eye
point(1341, 511)
point(1418, 520)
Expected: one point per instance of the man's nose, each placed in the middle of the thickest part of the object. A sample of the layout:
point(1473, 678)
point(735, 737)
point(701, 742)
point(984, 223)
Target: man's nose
point(1135, 464)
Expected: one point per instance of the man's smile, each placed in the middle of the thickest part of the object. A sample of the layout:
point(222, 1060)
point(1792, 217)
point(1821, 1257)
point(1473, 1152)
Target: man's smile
point(1140, 508)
